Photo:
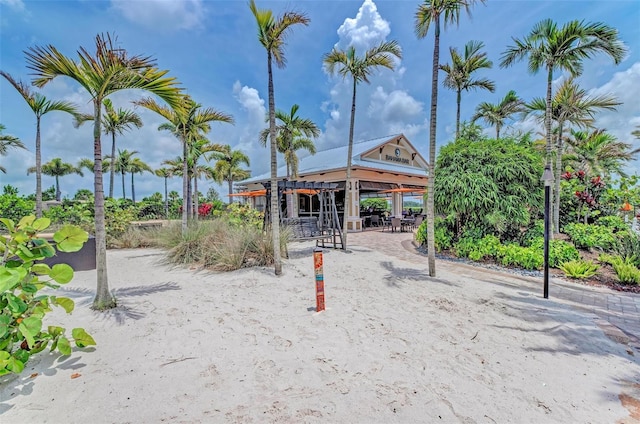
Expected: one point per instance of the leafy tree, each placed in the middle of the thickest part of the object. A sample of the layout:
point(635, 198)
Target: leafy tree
point(83, 194)
point(188, 123)
point(429, 13)
point(228, 166)
point(497, 114)
point(459, 73)
point(165, 173)
point(358, 68)
point(57, 168)
point(599, 153)
point(40, 106)
point(272, 32)
point(137, 166)
point(8, 142)
point(492, 185)
point(551, 48)
point(571, 104)
point(110, 70)
point(123, 165)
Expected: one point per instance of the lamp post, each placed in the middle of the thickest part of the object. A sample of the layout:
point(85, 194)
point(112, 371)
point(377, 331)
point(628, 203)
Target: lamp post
point(547, 178)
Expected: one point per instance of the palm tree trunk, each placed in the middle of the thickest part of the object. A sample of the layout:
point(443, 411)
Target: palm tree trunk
point(112, 165)
point(275, 198)
point(230, 182)
point(103, 299)
point(431, 247)
point(556, 195)
point(58, 188)
point(38, 170)
point(124, 195)
point(498, 127)
point(347, 191)
point(196, 201)
point(185, 185)
point(458, 100)
point(166, 199)
point(547, 122)
point(133, 190)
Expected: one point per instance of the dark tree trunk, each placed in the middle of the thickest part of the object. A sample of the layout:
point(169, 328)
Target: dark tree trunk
point(112, 165)
point(347, 185)
point(275, 199)
point(38, 170)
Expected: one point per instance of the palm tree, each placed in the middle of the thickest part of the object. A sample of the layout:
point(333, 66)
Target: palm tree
point(56, 168)
point(272, 32)
point(137, 166)
point(227, 167)
point(294, 133)
point(165, 173)
point(198, 149)
point(8, 142)
point(497, 114)
point(40, 107)
point(114, 122)
point(122, 164)
point(599, 153)
point(571, 104)
point(86, 163)
point(187, 123)
point(459, 73)
point(428, 13)
point(110, 70)
point(565, 48)
point(358, 68)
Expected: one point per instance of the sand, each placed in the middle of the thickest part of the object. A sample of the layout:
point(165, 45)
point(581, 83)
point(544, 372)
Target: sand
point(191, 346)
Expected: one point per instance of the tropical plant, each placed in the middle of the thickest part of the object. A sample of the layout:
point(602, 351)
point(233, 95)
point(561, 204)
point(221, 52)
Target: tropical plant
point(625, 269)
point(588, 236)
point(429, 13)
point(137, 166)
point(23, 304)
point(598, 153)
point(571, 104)
point(358, 68)
point(228, 166)
point(272, 33)
point(110, 70)
point(188, 123)
point(56, 168)
point(114, 122)
point(8, 142)
point(459, 73)
point(40, 106)
point(123, 164)
point(497, 114)
point(579, 269)
point(165, 173)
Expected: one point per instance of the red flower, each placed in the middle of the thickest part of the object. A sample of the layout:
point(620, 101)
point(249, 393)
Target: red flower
point(567, 175)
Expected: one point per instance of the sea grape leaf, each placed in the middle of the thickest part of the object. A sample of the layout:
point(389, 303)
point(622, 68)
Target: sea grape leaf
point(41, 269)
point(26, 221)
point(66, 303)
point(14, 365)
point(10, 277)
point(64, 347)
point(5, 320)
point(41, 223)
point(70, 238)
point(9, 224)
point(61, 273)
point(82, 338)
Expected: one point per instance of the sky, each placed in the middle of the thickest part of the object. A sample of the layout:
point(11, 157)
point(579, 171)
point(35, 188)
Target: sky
point(211, 47)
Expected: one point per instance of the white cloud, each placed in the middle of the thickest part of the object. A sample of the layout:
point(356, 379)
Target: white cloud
point(364, 31)
point(14, 4)
point(162, 15)
point(396, 106)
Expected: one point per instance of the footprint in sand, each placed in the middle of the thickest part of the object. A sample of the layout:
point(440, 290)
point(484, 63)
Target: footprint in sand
point(266, 371)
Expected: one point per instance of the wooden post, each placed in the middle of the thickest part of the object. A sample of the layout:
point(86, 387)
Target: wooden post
point(317, 265)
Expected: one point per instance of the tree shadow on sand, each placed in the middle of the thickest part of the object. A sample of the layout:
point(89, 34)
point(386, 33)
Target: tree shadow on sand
point(398, 275)
point(125, 309)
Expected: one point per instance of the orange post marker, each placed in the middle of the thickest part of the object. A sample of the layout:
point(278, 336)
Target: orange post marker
point(317, 266)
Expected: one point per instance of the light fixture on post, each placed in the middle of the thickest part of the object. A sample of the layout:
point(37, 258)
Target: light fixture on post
point(547, 179)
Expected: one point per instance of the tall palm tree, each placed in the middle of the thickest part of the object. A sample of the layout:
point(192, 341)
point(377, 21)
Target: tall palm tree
point(137, 166)
point(549, 47)
point(197, 149)
point(187, 123)
point(165, 173)
point(497, 114)
point(272, 33)
point(429, 13)
point(86, 163)
point(114, 122)
point(40, 106)
point(459, 73)
point(57, 168)
point(8, 142)
point(123, 164)
point(571, 104)
point(599, 153)
point(228, 166)
point(358, 68)
point(109, 70)
point(294, 133)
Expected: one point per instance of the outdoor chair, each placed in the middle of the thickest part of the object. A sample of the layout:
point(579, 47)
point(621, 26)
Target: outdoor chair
point(375, 220)
point(418, 221)
point(396, 222)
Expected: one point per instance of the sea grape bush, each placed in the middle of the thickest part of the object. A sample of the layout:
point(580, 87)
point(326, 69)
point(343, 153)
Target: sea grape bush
point(585, 236)
point(22, 304)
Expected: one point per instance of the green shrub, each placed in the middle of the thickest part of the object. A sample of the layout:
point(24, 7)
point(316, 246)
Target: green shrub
point(626, 271)
point(443, 234)
point(240, 215)
point(74, 213)
point(533, 233)
point(588, 236)
point(579, 269)
point(522, 257)
point(627, 245)
point(15, 207)
point(22, 304)
point(614, 222)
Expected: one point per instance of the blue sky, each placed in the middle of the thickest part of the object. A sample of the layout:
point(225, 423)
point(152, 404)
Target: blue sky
point(211, 47)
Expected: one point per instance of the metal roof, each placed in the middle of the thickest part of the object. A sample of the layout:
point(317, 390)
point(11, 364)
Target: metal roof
point(336, 158)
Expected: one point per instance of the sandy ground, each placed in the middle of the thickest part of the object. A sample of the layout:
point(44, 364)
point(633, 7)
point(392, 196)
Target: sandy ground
point(189, 346)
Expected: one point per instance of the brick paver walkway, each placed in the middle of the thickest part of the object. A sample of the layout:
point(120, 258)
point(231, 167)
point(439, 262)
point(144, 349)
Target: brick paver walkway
point(619, 309)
